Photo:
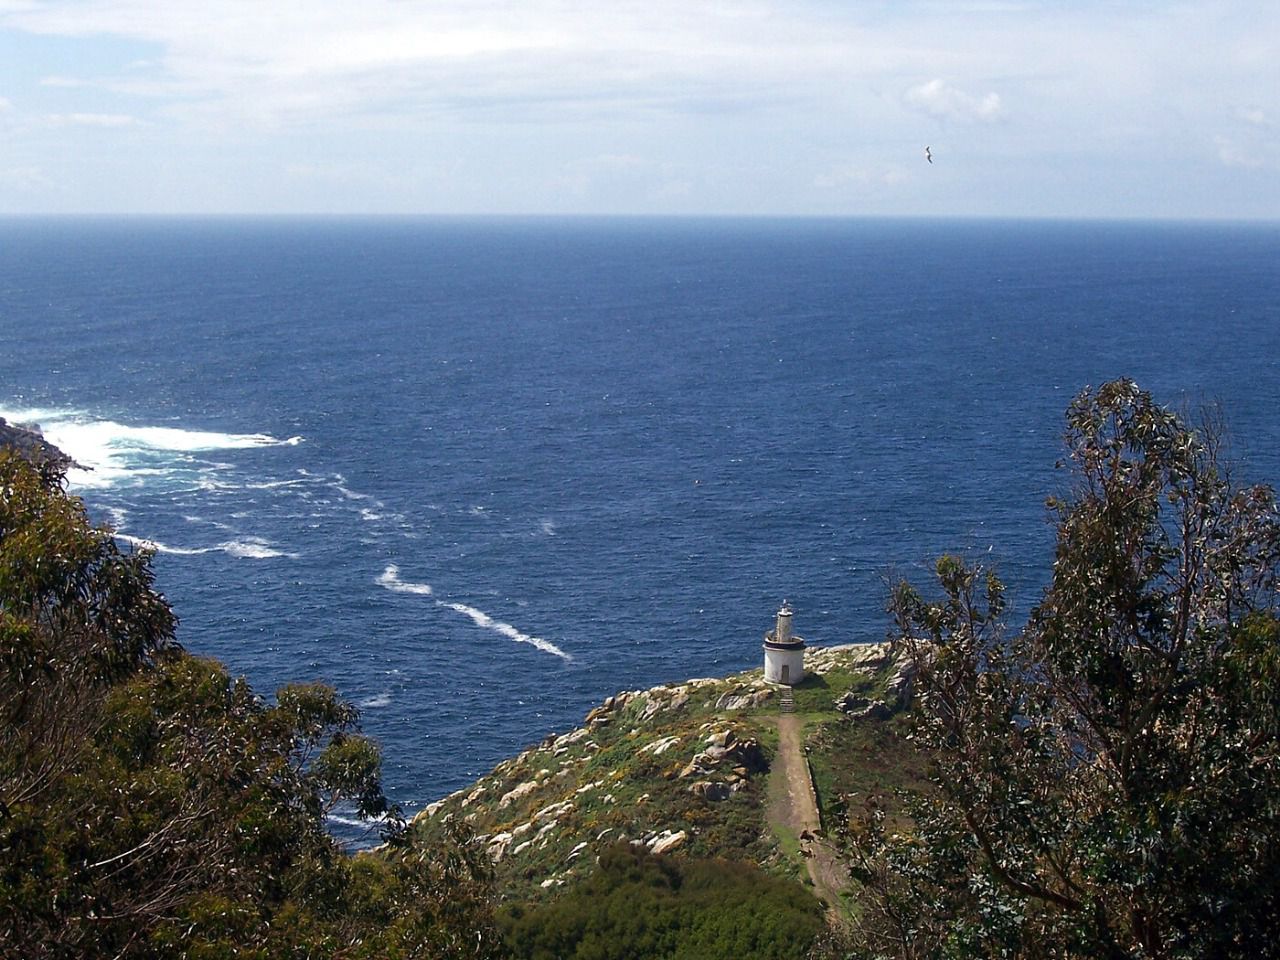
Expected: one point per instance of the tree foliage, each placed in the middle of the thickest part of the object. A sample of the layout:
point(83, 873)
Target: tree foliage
point(1107, 778)
point(153, 806)
point(637, 905)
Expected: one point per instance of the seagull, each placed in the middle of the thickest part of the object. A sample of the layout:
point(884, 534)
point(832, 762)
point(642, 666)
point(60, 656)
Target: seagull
point(928, 154)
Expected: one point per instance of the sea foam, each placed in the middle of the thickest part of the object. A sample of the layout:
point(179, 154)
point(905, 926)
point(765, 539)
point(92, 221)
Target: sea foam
point(251, 548)
point(113, 451)
point(390, 579)
point(482, 619)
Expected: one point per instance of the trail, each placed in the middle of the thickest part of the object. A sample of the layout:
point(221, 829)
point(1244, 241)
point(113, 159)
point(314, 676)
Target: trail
point(792, 805)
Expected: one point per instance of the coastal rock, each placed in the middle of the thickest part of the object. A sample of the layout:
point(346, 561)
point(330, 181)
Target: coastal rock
point(747, 755)
point(498, 845)
point(711, 791)
point(515, 793)
point(724, 738)
point(742, 699)
point(861, 708)
point(659, 747)
point(693, 767)
point(30, 444)
point(667, 841)
point(553, 810)
point(900, 683)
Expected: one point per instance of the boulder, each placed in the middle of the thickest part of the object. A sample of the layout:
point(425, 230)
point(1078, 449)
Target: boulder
point(667, 841)
point(691, 768)
point(661, 746)
point(553, 810)
point(862, 708)
point(711, 791)
point(518, 791)
point(30, 444)
point(723, 738)
point(748, 755)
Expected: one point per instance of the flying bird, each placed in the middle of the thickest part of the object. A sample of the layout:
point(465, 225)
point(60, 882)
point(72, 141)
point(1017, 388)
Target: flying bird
point(928, 154)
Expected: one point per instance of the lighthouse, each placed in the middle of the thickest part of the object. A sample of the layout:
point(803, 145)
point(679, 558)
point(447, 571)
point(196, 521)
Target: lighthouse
point(783, 651)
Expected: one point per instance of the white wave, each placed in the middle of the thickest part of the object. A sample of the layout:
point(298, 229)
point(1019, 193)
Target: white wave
point(549, 527)
point(254, 548)
point(159, 547)
point(119, 516)
point(353, 822)
point(273, 484)
point(390, 579)
point(109, 449)
point(367, 514)
point(374, 703)
point(251, 548)
point(482, 619)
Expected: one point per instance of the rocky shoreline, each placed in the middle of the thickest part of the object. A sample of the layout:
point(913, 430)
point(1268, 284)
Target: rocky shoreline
point(679, 766)
point(30, 443)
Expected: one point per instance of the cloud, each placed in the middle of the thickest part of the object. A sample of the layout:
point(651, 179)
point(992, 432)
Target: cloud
point(102, 120)
point(1234, 154)
point(65, 83)
point(862, 175)
point(24, 179)
point(5, 104)
point(299, 61)
point(749, 105)
point(939, 99)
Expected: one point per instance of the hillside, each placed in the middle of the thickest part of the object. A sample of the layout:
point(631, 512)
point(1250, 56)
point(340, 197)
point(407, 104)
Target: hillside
point(690, 769)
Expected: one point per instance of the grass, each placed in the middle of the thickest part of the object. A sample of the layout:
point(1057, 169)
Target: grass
point(845, 757)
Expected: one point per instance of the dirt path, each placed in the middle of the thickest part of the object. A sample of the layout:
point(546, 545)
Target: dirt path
point(793, 805)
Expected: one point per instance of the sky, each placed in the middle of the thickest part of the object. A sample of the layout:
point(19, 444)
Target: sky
point(1031, 108)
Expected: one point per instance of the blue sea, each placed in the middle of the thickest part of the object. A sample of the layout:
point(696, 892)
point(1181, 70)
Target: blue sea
point(479, 474)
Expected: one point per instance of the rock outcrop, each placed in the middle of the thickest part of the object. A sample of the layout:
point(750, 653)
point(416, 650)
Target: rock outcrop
point(30, 443)
point(675, 767)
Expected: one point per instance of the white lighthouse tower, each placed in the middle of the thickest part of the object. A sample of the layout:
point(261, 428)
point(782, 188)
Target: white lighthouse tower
point(783, 652)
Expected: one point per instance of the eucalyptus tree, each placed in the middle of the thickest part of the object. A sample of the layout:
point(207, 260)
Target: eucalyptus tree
point(152, 805)
point(1106, 778)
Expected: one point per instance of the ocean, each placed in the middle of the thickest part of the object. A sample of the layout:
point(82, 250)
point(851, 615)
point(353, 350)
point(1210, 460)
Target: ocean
point(480, 474)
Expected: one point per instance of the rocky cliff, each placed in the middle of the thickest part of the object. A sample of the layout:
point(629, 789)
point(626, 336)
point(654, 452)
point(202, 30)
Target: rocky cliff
point(685, 767)
point(30, 443)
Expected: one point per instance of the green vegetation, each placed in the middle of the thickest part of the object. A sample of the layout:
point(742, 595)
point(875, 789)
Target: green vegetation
point(152, 806)
point(645, 767)
point(1104, 782)
point(637, 905)
point(1107, 779)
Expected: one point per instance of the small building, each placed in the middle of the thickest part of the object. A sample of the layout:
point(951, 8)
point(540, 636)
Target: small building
point(783, 651)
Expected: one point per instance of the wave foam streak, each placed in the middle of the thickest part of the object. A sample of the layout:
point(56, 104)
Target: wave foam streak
point(390, 579)
point(482, 619)
point(114, 451)
point(250, 548)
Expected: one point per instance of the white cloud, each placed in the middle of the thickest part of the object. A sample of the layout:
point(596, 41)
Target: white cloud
point(861, 175)
point(940, 99)
point(750, 105)
point(104, 120)
point(63, 82)
point(25, 179)
point(1231, 153)
point(5, 104)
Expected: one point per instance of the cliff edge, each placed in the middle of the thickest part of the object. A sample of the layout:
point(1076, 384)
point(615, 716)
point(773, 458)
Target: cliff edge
point(30, 443)
point(693, 767)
